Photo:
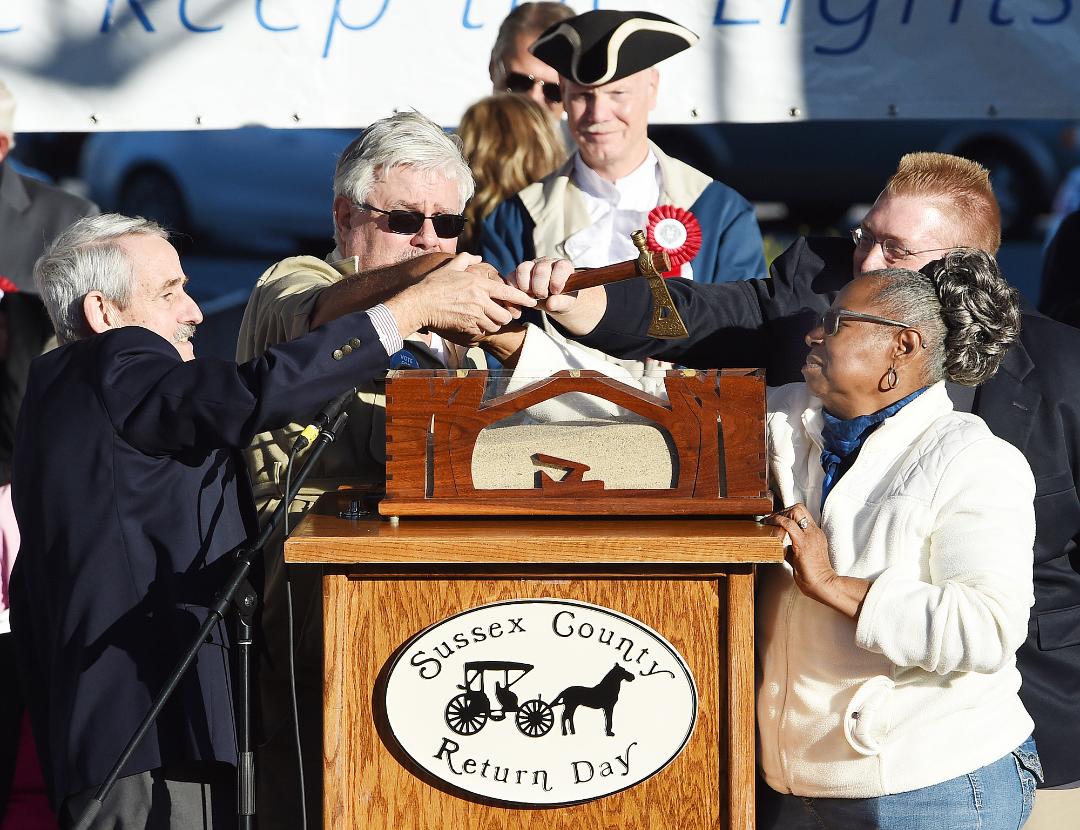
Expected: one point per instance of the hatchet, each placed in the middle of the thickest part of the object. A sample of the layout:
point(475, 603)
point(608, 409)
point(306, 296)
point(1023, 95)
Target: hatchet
point(666, 322)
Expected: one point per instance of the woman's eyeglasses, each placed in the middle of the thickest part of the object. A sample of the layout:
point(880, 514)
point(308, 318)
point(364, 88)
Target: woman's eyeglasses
point(520, 82)
point(830, 320)
point(447, 225)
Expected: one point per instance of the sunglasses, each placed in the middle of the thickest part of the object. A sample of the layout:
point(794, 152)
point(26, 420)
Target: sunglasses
point(447, 225)
point(830, 320)
point(519, 82)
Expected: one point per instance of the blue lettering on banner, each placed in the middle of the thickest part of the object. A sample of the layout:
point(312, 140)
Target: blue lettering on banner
point(262, 20)
point(720, 20)
point(858, 16)
point(996, 18)
point(194, 27)
point(867, 14)
point(1066, 9)
point(136, 7)
point(336, 18)
point(465, 22)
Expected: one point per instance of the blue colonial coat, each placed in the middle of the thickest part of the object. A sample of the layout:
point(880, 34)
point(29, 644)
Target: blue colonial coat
point(539, 220)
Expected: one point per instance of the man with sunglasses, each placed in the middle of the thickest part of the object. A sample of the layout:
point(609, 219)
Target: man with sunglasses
point(513, 68)
point(586, 210)
point(933, 203)
point(384, 221)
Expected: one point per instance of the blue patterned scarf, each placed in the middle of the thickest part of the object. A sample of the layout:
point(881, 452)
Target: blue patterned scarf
point(843, 438)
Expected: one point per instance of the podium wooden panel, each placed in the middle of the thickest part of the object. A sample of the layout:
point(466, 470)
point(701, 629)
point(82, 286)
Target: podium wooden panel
point(690, 579)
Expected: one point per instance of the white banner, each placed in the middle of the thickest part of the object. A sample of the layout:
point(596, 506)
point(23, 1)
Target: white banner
point(189, 64)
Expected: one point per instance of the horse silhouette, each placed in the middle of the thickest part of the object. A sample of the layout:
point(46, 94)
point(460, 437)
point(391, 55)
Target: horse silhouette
point(604, 695)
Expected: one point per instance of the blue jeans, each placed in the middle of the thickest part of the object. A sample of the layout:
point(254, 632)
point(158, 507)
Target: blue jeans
point(998, 796)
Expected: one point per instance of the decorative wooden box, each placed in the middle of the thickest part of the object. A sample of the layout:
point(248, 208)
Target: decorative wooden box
point(454, 449)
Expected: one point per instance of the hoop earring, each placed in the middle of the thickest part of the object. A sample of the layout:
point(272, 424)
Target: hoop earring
point(891, 378)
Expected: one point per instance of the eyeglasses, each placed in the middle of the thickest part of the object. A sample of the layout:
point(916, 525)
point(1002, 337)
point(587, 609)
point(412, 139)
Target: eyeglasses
point(520, 82)
point(447, 225)
point(830, 320)
point(892, 250)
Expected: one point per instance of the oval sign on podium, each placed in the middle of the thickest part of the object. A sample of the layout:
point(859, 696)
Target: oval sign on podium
point(540, 702)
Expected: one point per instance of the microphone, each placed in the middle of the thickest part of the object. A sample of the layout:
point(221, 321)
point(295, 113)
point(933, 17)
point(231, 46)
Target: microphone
point(327, 417)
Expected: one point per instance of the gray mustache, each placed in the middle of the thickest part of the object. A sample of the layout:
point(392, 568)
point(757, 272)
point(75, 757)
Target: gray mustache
point(184, 333)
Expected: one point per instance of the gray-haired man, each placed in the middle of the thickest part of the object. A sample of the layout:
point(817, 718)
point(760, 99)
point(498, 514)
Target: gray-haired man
point(130, 494)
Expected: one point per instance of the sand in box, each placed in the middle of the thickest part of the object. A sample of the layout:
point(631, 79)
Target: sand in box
point(622, 455)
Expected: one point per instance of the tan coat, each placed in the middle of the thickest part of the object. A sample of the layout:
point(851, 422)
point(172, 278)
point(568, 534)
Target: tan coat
point(280, 310)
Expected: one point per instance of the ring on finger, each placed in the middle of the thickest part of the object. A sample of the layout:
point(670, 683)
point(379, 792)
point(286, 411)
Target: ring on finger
point(803, 523)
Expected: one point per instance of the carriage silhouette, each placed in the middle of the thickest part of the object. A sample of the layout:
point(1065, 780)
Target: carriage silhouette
point(468, 712)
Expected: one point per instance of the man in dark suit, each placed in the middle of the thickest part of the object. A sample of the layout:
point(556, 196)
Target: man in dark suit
point(933, 202)
point(32, 213)
point(129, 490)
point(1059, 297)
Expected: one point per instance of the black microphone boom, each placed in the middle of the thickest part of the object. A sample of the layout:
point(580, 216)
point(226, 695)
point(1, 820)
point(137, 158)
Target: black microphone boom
point(326, 417)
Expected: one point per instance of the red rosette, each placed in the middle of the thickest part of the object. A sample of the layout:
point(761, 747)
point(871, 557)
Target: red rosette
point(7, 286)
point(675, 232)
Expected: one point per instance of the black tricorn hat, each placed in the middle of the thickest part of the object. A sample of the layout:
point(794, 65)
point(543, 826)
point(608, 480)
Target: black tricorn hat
point(602, 46)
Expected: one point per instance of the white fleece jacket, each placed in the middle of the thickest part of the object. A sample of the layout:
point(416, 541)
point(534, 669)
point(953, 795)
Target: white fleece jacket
point(938, 513)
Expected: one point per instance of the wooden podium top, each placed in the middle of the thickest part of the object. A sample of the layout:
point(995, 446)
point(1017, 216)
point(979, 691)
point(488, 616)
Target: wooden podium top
point(324, 538)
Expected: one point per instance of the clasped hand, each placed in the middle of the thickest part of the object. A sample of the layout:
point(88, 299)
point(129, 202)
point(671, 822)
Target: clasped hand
point(808, 555)
point(466, 301)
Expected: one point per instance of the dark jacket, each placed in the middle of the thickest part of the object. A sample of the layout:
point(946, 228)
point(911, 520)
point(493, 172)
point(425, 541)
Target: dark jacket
point(32, 214)
point(130, 490)
point(1059, 297)
point(1033, 402)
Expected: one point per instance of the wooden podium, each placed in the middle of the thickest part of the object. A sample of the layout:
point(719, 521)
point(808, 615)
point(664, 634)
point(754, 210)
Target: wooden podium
point(689, 579)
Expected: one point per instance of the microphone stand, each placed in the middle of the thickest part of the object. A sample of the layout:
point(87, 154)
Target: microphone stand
point(238, 593)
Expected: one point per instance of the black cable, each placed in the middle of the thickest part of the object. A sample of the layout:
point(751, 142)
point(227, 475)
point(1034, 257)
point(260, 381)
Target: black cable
point(291, 647)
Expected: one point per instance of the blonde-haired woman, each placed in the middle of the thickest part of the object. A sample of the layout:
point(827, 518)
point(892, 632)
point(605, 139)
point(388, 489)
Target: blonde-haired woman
point(510, 142)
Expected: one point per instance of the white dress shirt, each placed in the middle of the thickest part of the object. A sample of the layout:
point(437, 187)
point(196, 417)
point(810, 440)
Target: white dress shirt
point(616, 209)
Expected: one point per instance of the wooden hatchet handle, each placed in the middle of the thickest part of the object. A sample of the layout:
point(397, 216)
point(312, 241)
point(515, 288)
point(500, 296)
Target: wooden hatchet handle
point(591, 277)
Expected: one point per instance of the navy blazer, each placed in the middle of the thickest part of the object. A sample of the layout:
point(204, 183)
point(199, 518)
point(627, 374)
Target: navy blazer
point(1033, 402)
point(129, 489)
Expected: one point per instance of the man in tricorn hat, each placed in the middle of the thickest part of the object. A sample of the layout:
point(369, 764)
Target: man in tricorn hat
point(586, 210)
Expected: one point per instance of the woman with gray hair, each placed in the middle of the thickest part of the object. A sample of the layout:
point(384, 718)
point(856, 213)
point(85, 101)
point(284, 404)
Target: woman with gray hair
point(888, 683)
